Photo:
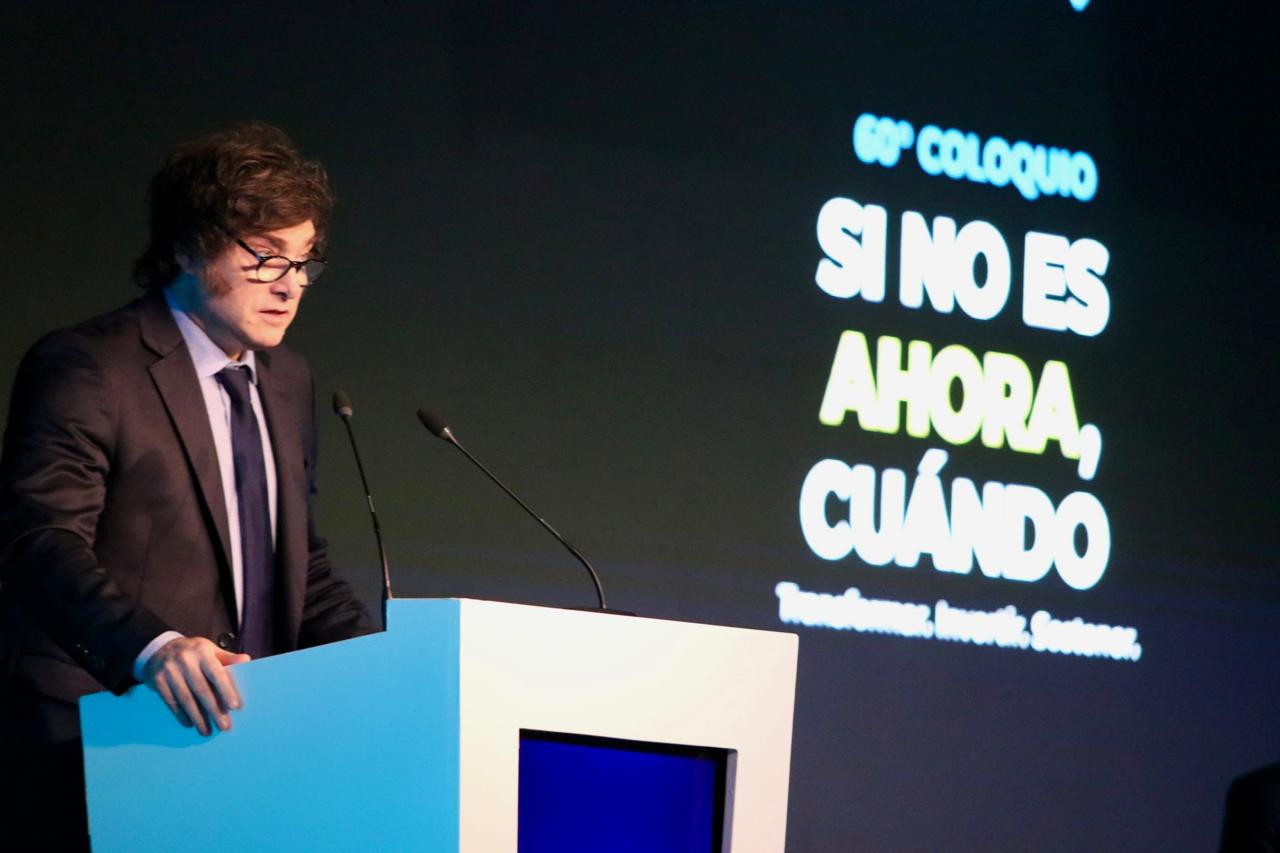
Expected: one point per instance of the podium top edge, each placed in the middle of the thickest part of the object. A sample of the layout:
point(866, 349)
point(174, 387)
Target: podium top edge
point(588, 611)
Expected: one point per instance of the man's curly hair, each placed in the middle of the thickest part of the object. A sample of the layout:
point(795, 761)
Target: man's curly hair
point(242, 181)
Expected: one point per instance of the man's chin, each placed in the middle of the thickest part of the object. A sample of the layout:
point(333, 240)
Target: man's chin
point(265, 342)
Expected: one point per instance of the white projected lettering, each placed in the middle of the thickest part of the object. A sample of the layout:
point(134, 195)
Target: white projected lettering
point(1034, 170)
point(1004, 627)
point(850, 611)
point(1062, 286)
point(941, 265)
point(1078, 637)
point(852, 267)
point(1014, 531)
point(886, 516)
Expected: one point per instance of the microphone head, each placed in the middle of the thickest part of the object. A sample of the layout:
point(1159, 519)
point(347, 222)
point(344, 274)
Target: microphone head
point(434, 423)
point(341, 404)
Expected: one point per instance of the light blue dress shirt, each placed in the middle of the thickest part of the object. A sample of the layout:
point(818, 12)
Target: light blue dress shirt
point(209, 360)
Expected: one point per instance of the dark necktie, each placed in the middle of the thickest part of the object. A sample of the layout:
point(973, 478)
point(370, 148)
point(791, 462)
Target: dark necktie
point(256, 552)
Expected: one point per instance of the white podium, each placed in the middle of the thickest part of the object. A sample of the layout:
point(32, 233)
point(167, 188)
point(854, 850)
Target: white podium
point(410, 739)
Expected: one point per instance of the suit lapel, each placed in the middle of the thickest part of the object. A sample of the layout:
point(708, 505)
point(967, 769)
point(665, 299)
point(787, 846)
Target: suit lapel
point(280, 408)
point(179, 387)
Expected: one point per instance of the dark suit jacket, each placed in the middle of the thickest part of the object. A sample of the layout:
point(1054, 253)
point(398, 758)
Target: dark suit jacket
point(1252, 820)
point(113, 526)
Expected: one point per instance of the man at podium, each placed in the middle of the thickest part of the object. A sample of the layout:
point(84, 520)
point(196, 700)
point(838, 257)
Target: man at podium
point(156, 478)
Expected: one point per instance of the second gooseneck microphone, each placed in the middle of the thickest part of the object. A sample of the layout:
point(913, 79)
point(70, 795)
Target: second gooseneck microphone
point(438, 428)
point(342, 408)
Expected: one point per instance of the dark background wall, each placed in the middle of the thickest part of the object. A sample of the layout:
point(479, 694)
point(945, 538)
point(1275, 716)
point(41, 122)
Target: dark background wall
point(585, 234)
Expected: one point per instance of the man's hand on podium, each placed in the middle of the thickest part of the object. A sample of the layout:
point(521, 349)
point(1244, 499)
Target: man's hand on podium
point(191, 676)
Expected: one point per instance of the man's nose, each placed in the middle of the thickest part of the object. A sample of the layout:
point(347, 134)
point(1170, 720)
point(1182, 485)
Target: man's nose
point(290, 285)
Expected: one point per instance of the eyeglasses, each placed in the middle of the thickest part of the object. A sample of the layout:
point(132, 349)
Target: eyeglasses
point(275, 267)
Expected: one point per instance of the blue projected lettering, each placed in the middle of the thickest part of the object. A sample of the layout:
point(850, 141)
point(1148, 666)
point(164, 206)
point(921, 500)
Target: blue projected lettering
point(1033, 170)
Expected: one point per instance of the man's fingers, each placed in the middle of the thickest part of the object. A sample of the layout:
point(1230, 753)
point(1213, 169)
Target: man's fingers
point(229, 658)
point(223, 684)
point(162, 687)
point(198, 683)
point(182, 693)
point(191, 677)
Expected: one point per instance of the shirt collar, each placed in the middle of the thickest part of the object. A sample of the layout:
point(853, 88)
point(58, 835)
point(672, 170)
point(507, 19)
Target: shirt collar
point(208, 357)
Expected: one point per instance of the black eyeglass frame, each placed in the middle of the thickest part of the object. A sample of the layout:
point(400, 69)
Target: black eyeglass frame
point(292, 265)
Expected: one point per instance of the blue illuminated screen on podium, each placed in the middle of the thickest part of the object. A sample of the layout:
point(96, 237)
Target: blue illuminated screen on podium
point(580, 794)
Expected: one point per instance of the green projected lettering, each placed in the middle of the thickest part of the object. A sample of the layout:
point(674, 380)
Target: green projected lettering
point(997, 400)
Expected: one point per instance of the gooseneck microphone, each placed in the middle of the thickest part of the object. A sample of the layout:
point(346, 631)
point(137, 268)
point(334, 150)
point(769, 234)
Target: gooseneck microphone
point(438, 428)
point(342, 408)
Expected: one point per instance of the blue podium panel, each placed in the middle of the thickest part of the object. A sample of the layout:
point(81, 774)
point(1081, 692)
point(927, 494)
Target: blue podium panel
point(341, 747)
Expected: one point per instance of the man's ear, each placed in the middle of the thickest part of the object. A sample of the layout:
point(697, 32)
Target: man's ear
point(186, 263)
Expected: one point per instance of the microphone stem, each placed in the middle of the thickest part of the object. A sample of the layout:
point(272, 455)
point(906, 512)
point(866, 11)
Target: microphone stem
point(447, 435)
point(377, 528)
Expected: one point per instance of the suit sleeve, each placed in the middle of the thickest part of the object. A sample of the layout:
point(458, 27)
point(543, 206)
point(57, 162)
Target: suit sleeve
point(331, 611)
point(57, 458)
point(1251, 823)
